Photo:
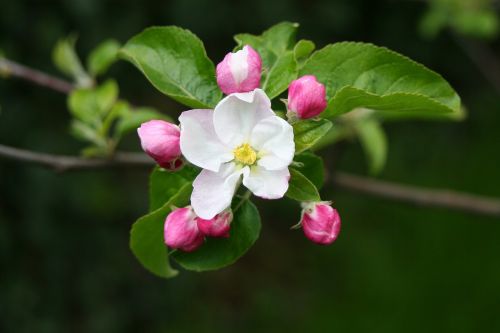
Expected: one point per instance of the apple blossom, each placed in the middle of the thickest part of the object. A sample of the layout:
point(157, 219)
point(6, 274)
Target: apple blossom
point(181, 230)
point(239, 71)
point(241, 137)
point(218, 226)
point(160, 140)
point(306, 97)
point(320, 222)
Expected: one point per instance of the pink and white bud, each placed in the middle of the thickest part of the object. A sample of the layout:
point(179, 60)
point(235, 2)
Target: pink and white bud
point(181, 230)
point(218, 226)
point(160, 140)
point(239, 71)
point(320, 222)
point(306, 97)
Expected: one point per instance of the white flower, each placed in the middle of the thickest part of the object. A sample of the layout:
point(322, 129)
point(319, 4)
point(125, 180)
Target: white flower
point(242, 136)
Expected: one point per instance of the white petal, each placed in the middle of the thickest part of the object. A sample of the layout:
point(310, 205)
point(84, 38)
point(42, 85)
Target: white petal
point(213, 191)
point(267, 184)
point(238, 65)
point(273, 140)
point(199, 143)
point(237, 114)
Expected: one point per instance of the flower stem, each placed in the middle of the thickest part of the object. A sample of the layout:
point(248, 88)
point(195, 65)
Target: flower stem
point(244, 198)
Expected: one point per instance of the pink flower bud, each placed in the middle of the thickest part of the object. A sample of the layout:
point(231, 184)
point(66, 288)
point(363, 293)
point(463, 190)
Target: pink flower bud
point(181, 230)
point(218, 226)
point(160, 140)
point(306, 97)
point(239, 71)
point(321, 222)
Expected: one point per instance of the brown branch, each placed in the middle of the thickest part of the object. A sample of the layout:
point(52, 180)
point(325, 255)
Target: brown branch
point(419, 196)
point(11, 68)
point(68, 163)
point(404, 193)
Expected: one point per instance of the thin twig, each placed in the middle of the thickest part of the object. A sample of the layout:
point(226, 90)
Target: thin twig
point(404, 193)
point(69, 163)
point(244, 198)
point(419, 196)
point(11, 68)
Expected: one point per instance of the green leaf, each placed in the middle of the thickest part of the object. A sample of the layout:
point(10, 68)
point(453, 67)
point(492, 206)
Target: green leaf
point(91, 104)
point(175, 62)
point(131, 120)
point(374, 142)
point(146, 236)
point(473, 18)
point(308, 132)
point(272, 43)
point(85, 132)
point(95, 152)
point(164, 184)
point(303, 50)
point(103, 56)
point(106, 95)
point(337, 132)
point(221, 252)
point(312, 168)
point(280, 75)
point(365, 75)
point(119, 109)
point(392, 106)
point(275, 46)
point(433, 21)
point(66, 60)
point(300, 188)
point(478, 24)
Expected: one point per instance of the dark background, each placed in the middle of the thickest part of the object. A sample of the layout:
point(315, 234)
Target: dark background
point(65, 265)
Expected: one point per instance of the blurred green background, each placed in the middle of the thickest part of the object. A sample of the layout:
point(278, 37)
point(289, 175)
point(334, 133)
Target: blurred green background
point(65, 265)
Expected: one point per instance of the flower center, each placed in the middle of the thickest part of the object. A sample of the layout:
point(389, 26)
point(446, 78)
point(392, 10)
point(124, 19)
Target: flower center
point(245, 154)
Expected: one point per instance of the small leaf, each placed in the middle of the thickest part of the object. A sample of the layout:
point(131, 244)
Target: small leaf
point(271, 43)
point(275, 46)
point(473, 18)
point(84, 132)
point(120, 108)
point(280, 37)
point(175, 62)
point(146, 236)
point(312, 168)
point(66, 60)
point(364, 75)
point(93, 152)
point(300, 188)
point(106, 95)
point(308, 132)
point(221, 252)
point(433, 21)
point(164, 184)
point(303, 50)
point(374, 142)
point(478, 24)
point(131, 120)
point(91, 104)
point(103, 56)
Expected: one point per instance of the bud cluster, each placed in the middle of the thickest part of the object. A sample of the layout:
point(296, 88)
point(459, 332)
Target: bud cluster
point(185, 231)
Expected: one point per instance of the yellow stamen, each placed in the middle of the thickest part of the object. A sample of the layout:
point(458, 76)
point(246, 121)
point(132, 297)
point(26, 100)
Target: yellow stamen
point(245, 154)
